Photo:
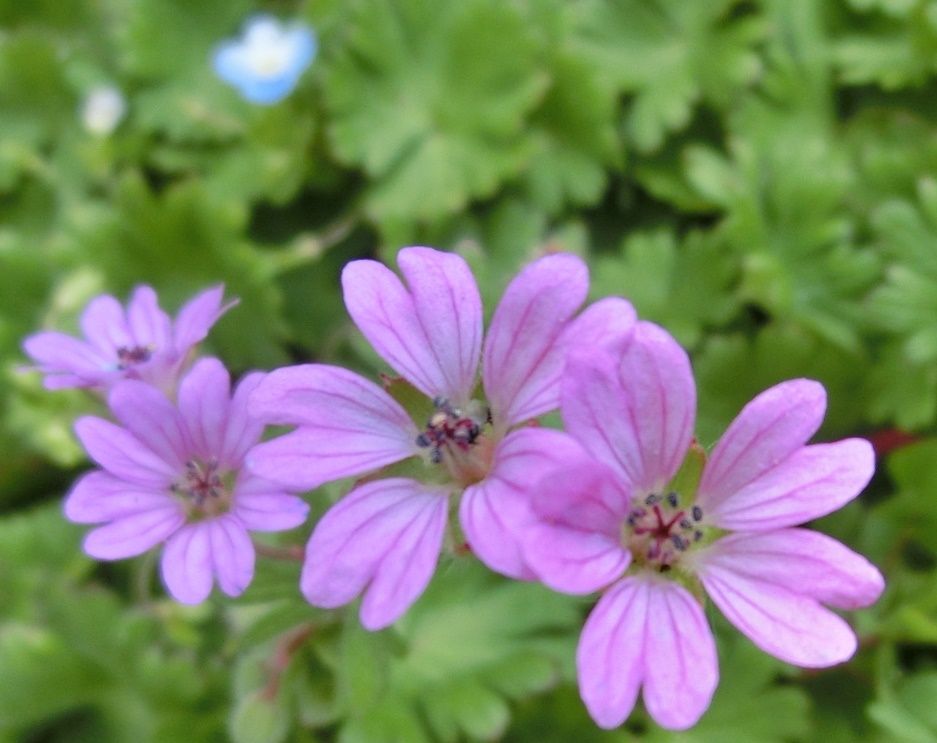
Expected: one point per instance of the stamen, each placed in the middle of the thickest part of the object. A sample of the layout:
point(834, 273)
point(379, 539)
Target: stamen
point(128, 356)
point(203, 487)
point(657, 532)
point(450, 429)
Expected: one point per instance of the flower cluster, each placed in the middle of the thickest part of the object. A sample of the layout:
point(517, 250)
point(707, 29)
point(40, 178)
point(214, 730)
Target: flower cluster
point(624, 501)
point(172, 466)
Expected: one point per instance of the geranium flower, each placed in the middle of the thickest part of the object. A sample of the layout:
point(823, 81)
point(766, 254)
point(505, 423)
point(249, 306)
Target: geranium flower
point(139, 343)
point(384, 538)
point(613, 518)
point(266, 62)
point(175, 475)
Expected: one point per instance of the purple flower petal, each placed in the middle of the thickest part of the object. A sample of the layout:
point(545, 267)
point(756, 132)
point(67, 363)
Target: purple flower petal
point(196, 317)
point(449, 309)
point(800, 561)
point(680, 665)
point(122, 454)
point(186, 564)
point(232, 554)
point(788, 625)
point(348, 426)
point(607, 324)
point(581, 493)
point(656, 373)
point(152, 419)
point(204, 400)
point(149, 325)
point(610, 656)
point(635, 414)
point(431, 333)
point(649, 631)
point(104, 324)
point(576, 547)
point(134, 534)
point(262, 506)
point(494, 510)
point(523, 356)
point(491, 512)
point(57, 353)
point(769, 429)
point(572, 560)
point(244, 430)
point(98, 497)
point(384, 539)
point(812, 482)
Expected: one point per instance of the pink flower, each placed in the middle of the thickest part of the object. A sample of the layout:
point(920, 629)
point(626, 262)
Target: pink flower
point(384, 538)
point(139, 343)
point(176, 475)
point(613, 517)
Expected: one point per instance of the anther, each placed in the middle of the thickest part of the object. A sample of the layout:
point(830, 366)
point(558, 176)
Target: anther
point(127, 356)
point(697, 513)
point(672, 499)
point(651, 500)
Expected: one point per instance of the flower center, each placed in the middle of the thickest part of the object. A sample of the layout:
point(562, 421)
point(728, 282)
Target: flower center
point(128, 356)
point(204, 489)
point(455, 436)
point(658, 531)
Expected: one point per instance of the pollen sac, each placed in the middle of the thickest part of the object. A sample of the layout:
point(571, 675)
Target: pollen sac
point(658, 531)
point(131, 356)
point(203, 487)
point(452, 429)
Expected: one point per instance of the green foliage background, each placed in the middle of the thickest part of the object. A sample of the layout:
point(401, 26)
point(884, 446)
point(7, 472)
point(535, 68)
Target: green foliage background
point(758, 176)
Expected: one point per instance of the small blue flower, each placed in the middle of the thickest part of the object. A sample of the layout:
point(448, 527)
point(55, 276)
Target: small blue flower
point(266, 62)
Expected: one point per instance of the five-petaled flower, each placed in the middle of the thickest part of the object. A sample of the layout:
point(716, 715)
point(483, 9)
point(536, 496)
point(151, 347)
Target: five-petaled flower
point(175, 475)
point(609, 518)
point(140, 343)
point(266, 63)
point(384, 538)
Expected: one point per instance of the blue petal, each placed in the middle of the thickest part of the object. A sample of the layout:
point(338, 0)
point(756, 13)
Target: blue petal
point(303, 43)
point(268, 91)
point(228, 62)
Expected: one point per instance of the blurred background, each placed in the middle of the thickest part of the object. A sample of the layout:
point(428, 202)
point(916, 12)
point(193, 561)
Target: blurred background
point(759, 176)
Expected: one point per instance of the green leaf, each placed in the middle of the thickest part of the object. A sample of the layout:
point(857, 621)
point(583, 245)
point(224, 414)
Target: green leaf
point(785, 219)
point(452, 667)
point(685, 288)
point(429, 98)
point(671, 55)
point(34, 96)
point(573, 130)
point(182, 241)
point(909, 712)
point(906, 304)
point(172, 38)
point(900, 390)
point(894, 50)
point(257, 719)
point(42, 676)
point(731, 370)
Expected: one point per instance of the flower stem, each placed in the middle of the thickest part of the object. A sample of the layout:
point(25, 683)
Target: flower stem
point(293, 553)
